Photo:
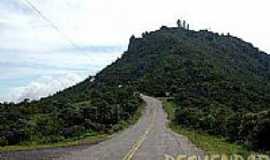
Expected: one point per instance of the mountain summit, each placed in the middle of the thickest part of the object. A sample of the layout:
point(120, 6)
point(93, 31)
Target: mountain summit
point(219, 83)
point(171, 59)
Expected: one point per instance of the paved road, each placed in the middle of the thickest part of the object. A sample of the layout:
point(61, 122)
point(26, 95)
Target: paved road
point(149, 139)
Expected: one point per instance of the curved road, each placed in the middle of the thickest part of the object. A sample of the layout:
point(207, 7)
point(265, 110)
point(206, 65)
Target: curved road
point(148, 139)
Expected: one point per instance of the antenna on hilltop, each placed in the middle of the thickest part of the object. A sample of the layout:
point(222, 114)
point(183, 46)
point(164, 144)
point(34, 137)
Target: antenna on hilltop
point(179, 23)
point(183, 25)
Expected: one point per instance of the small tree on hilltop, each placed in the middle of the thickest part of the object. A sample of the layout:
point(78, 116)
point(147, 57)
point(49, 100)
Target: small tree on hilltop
point(132, 38)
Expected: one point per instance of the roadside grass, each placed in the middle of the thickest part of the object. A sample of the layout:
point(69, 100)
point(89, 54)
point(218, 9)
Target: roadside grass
point(87, 138)
point(208, 143)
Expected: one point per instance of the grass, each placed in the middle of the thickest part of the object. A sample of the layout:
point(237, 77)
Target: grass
point(85, 139)
point(209, 143)
point(66, 143)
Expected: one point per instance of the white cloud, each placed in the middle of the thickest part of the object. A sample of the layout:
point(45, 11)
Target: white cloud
point(43, 87)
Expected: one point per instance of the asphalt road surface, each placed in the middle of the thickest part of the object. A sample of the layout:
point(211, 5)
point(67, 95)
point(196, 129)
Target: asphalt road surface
point(148, 139)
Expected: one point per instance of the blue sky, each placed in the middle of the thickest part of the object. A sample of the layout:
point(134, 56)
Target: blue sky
point(36, 60)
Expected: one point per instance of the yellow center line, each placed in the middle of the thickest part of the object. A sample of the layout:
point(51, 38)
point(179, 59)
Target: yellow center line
point(140, 141)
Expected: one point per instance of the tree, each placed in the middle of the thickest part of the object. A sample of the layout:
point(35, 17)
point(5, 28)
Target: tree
point(145, 34)
point(132, 38)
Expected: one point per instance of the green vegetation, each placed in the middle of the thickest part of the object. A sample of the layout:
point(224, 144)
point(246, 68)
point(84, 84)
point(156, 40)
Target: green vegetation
point(221, 83)
point(210, 144)
point(107, 110)
point(83, 139)
point(221, 86)
point(86, 138)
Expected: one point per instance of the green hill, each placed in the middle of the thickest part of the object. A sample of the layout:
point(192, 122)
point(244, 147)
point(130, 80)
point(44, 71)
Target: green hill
point(220, 84)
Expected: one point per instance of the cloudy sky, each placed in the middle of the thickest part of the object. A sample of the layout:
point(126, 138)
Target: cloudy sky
point(37, 60)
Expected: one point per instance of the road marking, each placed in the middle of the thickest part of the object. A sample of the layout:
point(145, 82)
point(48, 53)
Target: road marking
point(140, 141)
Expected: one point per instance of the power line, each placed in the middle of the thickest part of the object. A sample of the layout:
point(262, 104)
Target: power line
point(57, 29)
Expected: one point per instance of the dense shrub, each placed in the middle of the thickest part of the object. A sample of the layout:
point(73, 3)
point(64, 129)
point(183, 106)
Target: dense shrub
point(255, 129)
point(49, 121)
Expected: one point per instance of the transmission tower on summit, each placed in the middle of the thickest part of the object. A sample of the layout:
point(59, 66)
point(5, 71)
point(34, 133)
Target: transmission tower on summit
point(182, 24)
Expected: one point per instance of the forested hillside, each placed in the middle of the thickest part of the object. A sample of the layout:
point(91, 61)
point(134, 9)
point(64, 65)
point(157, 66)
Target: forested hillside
point(220, 84)
point(84, 109)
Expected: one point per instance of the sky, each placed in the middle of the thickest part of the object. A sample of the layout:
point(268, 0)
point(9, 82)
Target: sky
point(40, 55)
